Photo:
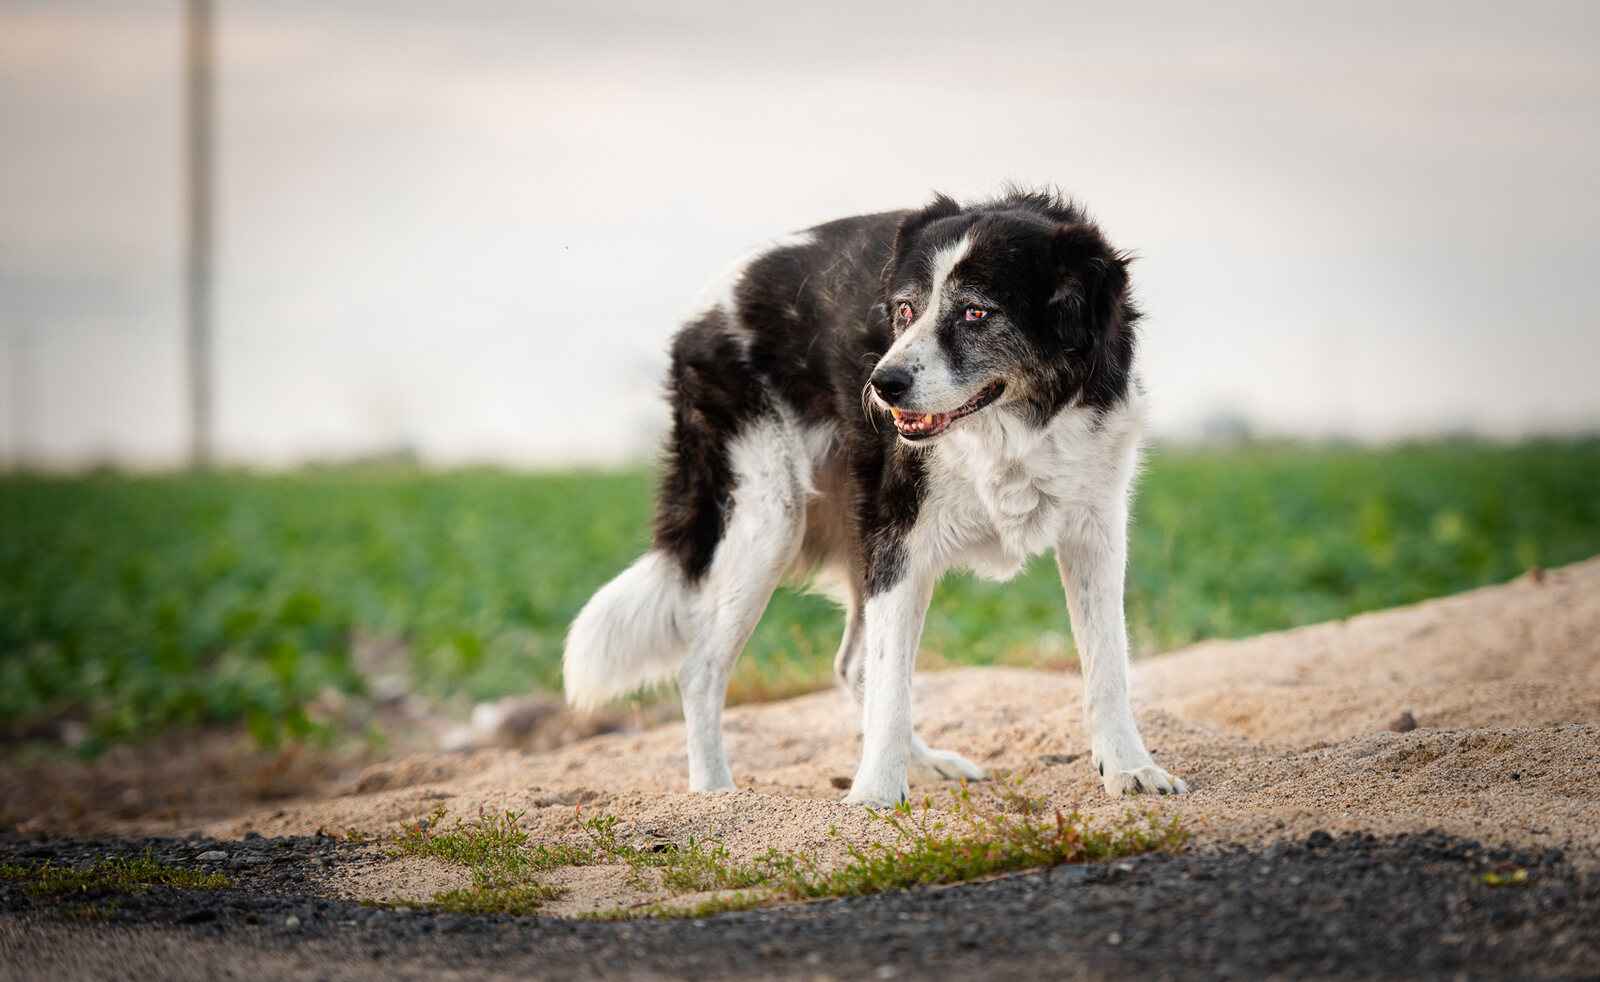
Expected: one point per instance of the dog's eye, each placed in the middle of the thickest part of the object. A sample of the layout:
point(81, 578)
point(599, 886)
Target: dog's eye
point(976, 313)
point(903, 314)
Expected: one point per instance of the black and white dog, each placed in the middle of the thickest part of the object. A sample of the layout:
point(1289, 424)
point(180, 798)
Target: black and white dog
point(866, 405)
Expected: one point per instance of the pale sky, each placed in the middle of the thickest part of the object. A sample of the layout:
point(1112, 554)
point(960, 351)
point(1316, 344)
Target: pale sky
point(472, 227)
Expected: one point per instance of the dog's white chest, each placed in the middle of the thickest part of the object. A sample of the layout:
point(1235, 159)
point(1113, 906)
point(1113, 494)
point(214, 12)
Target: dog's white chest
point(1017, 511)
point(1001, 491)
point(997, 500)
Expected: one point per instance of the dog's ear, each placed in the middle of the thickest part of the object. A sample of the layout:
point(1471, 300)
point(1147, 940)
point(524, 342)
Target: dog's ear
point(1095, 316)
point(942, 206)
point(1092, 280)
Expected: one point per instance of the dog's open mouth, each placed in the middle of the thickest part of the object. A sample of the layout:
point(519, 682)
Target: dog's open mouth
point(921, 426)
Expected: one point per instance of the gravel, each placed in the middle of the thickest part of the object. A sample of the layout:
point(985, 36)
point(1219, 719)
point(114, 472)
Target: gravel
point(1352, 905)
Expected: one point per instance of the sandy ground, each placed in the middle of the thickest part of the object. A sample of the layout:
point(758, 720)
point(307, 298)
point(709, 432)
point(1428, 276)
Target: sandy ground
point(1278, 736)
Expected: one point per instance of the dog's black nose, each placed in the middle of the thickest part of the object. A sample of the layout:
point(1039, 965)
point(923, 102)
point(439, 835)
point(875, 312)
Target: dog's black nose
point(891, 383)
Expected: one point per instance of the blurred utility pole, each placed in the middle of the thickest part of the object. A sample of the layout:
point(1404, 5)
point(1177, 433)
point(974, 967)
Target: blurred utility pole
point(198, 106)
point(18, 358)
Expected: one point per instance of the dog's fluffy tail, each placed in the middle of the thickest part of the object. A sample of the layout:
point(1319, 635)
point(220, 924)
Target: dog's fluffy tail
point(629, 634)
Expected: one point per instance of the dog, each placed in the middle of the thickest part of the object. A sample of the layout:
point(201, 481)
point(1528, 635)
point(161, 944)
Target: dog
point(859, 408)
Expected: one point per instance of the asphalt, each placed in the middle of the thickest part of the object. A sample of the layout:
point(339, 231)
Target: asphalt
point(1354, 906)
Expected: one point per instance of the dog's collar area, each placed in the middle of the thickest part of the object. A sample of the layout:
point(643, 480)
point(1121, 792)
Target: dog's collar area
point(922, 426)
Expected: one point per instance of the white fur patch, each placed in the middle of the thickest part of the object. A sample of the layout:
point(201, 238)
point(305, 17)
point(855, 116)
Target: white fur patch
point(629, 635)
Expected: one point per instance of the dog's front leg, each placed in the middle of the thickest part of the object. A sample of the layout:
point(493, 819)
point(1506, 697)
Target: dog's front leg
point(893, 630)
point(1092, 557)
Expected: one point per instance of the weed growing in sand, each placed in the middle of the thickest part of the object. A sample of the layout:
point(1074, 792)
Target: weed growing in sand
point(927, 848)
point(116, 874)
point(490, 842)
point(930, 848)
point(495, 849)
point(691, 868)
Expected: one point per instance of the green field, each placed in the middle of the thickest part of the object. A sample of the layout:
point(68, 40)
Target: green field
point(137, 603)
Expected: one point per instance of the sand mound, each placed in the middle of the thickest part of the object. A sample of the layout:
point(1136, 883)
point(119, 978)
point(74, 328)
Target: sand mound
point(1277, 735)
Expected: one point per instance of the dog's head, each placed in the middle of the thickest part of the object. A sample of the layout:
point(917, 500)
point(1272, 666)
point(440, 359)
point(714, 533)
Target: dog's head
point(1020, 305)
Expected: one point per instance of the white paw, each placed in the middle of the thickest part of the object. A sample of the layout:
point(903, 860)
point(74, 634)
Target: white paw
point(713, 778)
point(935, 765)
point(877, 790)
point(1149, 779)
point(1126, 767)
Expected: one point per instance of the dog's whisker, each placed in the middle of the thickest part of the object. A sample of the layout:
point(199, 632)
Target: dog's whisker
point(866, 406)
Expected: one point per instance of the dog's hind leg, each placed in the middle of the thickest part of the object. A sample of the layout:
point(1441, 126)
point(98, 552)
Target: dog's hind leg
point(765, 524)
point(847, 663)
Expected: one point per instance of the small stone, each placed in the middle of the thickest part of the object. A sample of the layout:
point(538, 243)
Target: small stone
point(842, 783)
point(886, 972)
point(1404, 723)
point(1319, 839)
point(1114, 938)
point(212, 856)
point(291, 922)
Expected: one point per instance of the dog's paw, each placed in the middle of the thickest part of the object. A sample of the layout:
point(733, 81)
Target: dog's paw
point(711, 778)
point(878, 790)
point(936, 765)
point(1126, 767)
point(1149, 779)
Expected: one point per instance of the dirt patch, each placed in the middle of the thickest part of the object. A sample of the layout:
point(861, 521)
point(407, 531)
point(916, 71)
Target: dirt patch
point(397, 880)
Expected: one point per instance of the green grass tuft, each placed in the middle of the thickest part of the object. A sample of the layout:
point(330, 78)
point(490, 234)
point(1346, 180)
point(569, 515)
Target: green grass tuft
point(931, 848)
point(495, 849)
point(692, 868)
point(116, 874)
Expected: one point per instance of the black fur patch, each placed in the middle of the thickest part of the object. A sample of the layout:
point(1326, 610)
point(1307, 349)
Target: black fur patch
point(713, 397)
